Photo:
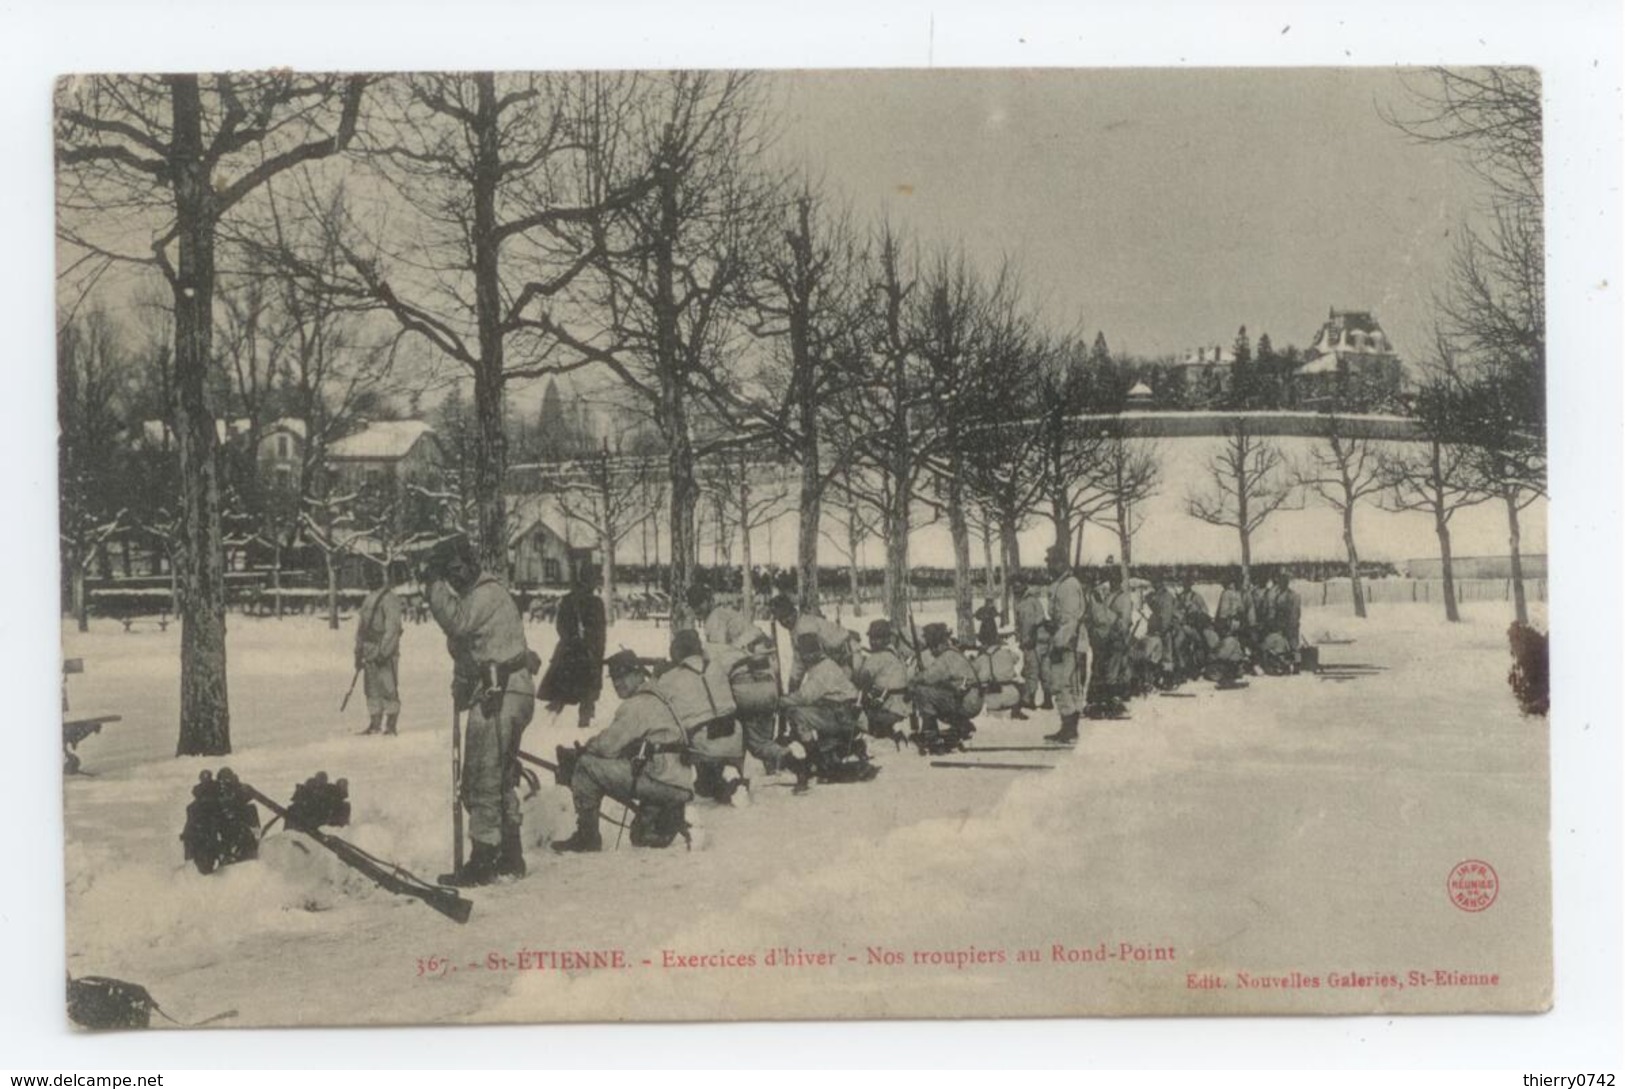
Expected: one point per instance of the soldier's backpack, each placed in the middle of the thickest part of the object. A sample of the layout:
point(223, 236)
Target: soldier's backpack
point(98, 1002)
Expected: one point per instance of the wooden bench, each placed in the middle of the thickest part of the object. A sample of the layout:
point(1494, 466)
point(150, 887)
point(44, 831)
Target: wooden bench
point(129, 622)
point(76, 730)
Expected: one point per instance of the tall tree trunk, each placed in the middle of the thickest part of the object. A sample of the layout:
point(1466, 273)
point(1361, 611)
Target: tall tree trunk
point(987, 556)
point(205, 711)
point(607, 538)
point(1010, 543)
point(897, 587)
point(747, 584)
point(1441, 528)
point(490, 437)
point(332, 591)
point(1125, 537)
point(959, 531)
point(810, 515)
point(854, 542)
point(1520, 602)
point(77, 593)
point(1357, 588)
point(1061, 515)
point(276, 579)
point(1246, 558)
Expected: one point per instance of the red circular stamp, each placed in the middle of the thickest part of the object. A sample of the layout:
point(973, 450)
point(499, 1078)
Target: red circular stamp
point(1473, 885)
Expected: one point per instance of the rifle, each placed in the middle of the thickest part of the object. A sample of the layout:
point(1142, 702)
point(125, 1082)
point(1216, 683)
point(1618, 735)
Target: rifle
point(456, 790)
point(349, 691)
point(386, 875)
point(548, 765)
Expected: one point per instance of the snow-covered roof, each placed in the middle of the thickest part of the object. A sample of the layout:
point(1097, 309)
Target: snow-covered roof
point(1211, 356)
point(1322, 364)
point(1140, 390)
point(158, 432)
point(385, 440)
point(290, 424)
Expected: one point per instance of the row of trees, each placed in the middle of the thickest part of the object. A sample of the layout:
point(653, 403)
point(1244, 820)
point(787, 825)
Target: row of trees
point(633, 227)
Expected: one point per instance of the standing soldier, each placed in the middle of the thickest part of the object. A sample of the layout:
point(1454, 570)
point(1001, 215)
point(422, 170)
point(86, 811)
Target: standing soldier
point(1197, 639)
point(1162, 630)
point(987, 623)
point(1285, 611)
point(638, 760)
point(576, 673)
point(1230, 620)
point(1032, 633)
point(378, 654)
point(1110, 620)
point(1067, 663)
point(492, 681)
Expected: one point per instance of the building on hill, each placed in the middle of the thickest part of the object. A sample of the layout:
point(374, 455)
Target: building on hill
point(1350, 363)
point(385, 454)
point(1207, 373)
point(539, 551)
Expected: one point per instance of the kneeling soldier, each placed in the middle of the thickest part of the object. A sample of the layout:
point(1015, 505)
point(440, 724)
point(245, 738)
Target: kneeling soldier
point(945, 690)
point(883, 680)
point(822, 713)
point(637, 760)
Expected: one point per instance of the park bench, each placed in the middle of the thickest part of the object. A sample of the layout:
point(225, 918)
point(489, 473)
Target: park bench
point(129, 622)
point(75, 730)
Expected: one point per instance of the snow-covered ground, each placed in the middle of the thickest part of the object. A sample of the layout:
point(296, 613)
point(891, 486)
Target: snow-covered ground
point(1304, 824)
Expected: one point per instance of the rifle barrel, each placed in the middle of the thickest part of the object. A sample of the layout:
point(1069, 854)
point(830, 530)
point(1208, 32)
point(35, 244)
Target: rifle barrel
point(446, 901)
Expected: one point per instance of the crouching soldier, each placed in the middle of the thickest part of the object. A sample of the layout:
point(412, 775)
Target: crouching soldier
point(1231, 622)
point(882, 678)
point(946, 692)
point(753, 674)
point(823, 718)
point(698, 688)
point(996, 666)
point(1279, 649)
point(492, 681)
point(832, 644)
point(637, 760)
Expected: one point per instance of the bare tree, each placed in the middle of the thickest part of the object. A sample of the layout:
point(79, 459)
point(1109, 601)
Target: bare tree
point(1068, 452)
point(1344, 472)
point(1439, 479)
point(805, 307)
point(1128, 473)
point(93, 501)
point(666, 275)
point(1247, 483)
point(748, 492)
point(171, 157)
point(1492, 314)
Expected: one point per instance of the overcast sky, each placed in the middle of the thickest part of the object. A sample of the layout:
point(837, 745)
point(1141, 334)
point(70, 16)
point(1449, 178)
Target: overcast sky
point(1165, 207)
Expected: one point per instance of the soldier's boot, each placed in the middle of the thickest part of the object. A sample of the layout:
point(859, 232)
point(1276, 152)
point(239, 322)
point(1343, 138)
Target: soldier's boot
point(586, 838)
point(511, 853)
point(1047, 705)
point(480, 869)
point(373, 725)
point(584, 714)
point(798, 761)
point(1018, 715)
point(1067, 734)
point(390, 722)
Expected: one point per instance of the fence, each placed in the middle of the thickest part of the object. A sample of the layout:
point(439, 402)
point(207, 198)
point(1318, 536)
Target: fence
point(1394, 591)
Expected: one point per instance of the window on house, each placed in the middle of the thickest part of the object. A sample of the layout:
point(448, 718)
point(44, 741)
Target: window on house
point(282, 447)
point(551, 572)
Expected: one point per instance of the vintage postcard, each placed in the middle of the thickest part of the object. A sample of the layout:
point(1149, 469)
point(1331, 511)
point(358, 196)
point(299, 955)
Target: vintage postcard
point(743, 545)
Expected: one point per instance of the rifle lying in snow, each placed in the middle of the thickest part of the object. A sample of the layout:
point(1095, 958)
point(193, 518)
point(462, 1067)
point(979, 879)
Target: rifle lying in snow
point(385, 875)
